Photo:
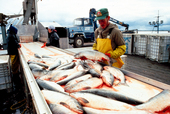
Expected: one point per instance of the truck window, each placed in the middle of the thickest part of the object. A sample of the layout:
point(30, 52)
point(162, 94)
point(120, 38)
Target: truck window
point(78, 22)
point(87, 22)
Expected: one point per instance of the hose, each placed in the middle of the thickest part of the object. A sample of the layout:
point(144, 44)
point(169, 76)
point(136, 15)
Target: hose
point(19, 106)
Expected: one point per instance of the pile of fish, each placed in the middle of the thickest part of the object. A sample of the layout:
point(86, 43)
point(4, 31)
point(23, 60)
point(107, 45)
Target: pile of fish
point(83, 84)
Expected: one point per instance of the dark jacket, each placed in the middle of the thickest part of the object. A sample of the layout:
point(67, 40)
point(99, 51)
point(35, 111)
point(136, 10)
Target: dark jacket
point(53, 39)
point(12, 43)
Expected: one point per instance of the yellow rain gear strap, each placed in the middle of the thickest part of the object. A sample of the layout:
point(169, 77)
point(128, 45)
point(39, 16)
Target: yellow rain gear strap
point(104, 46)
point(15, 63)
point(94, 46)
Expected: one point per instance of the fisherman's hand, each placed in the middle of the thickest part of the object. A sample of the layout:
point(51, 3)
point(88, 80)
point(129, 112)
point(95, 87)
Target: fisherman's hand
point(19, 45)
point(108, 54)
point(43, 45)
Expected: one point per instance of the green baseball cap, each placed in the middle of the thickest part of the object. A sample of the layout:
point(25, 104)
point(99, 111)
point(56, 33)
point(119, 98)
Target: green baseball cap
point(102, 14)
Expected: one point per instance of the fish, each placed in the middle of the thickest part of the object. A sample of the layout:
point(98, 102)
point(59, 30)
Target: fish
point(50, 74)
point(113, 95)
point(100, 102)
point(76, 80)
point(90, 83)
point(92, 55)
point(139, 93)
point(38, 63)
point(55, 65)
point(46, 56)
point(61, 75)
point(39, 72)
point(66, 66)
point(60, 109)
point(37, 56)
point(72, 76)
point(117, 74)
point(63, 99)
point(89, 110)
point(33, 59)
point(33, 66)
point(107, 78)
point(93, 65)
point(50, 85)
point(94, 72)
point(156, 103)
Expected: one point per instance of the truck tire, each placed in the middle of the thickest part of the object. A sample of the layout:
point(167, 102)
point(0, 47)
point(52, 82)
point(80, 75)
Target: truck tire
point(78, 42)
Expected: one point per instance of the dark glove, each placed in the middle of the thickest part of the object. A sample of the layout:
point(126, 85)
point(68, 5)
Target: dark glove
point(43, 45)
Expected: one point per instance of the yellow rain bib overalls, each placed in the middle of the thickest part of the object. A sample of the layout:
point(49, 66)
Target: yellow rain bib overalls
point(104, 45)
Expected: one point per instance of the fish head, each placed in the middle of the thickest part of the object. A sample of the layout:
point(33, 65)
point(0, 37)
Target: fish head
point(77, 55)
point(105, 67)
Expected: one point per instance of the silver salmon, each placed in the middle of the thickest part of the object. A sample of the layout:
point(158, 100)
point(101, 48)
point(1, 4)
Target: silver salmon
point(60, 109)
point(63, 99)
point(86, 84)
point(62, 75)
point(92, 55)
point(50, 74)
point(39, 72)
point(117, 74)
point(94, 72)
point(50, 85)
point(76, 80)
point(99, 102)
point(55, 65)
point(113, 95)
point(37, 56)
point(66, 66)
point(72, 76)
point(33, 66)
point(157, 103)
point(38, 63)
point(107, 78)
point(94, 65)
point(89, 110)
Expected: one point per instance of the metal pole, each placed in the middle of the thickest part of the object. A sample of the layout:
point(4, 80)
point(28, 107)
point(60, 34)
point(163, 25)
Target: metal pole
point(158, 23)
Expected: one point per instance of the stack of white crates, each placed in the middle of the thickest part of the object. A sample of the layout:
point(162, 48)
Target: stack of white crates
point(5, 73)
point(158, 48)
point(128, 42)
point(140, 44)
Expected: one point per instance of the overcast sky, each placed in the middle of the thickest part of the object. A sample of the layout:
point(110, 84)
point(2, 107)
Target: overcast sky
point(136, 13)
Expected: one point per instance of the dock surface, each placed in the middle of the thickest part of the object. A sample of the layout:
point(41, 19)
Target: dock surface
point(145, 67)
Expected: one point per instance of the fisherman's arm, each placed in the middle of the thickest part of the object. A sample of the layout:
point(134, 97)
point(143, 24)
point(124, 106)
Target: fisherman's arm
point(120, 50)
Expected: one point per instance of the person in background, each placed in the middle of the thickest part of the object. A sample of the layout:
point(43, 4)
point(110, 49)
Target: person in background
point(12, 49)
point(53, 38)
point(108, 38)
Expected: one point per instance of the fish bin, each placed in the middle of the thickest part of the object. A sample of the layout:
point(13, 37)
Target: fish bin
point(158, 48)
point(140, 43)
point(5, 73)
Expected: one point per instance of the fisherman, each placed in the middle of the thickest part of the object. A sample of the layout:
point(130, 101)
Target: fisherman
point(12, 48)
point(53, 37)
point(108, 38)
